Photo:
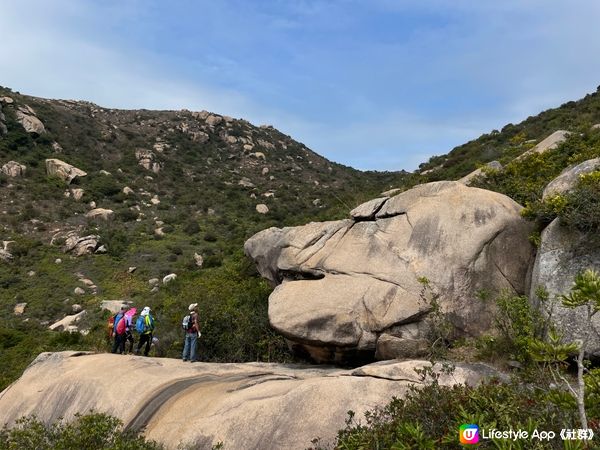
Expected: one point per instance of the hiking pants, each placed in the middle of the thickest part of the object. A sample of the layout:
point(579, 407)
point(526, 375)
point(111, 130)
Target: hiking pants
point(145, 339)
point(189, 346)
point(128, 338)
point(119, 343)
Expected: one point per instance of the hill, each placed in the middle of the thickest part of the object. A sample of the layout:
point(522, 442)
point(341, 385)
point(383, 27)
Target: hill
point(163, 192)
point(513, 140)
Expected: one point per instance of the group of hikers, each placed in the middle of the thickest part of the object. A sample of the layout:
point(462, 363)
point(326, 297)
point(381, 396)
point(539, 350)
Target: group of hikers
point(121, 327)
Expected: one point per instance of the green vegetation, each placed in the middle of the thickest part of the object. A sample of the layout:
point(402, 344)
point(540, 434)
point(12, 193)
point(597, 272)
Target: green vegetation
point(94, 431)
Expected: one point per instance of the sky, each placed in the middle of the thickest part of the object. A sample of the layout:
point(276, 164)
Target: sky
point(373, 84)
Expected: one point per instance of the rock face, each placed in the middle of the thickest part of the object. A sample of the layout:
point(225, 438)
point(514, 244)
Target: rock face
point(246, 406)
point(343, 284)
point(562, 254)
point(62, 170)
point(13, 169)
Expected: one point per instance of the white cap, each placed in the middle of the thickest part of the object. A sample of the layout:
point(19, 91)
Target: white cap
point(193, 306)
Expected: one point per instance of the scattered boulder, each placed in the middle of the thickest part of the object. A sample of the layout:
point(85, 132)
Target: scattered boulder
point(265, 170)
point(198, 259)
point(76, 308)
point(101, 213)
point(341, 285)
point(550, 143)
point(14, 169)
point(78, 291)
point(31, 273)
point(213, 120)
point(19, 309)
point(569, 177)
point(245, 182)
point(128, 191)
point(104, 172)
point(6, 100)
point(251, 406)
point(58, 261)
point(468, 179)
point(153, 281)
point(68, 323)
point(5, 255)
point(261, 208)
point(114, 306)
point(27, 118)
point(169, 278)
point(77, 193)
point(131, 269)
point(79, 246)
point(67, 172)
point(57, 147)
point(146, 159)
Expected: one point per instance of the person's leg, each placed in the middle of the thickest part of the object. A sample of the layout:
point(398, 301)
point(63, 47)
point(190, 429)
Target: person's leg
point(140, 344)
point(148, 343)
point(115, 345)
point(193, 341)
point(186, 347)
point(130, 339)
point(121, 344)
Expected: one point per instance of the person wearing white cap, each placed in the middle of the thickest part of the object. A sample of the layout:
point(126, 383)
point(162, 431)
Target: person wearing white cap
point(192, 332)
point(145, 326)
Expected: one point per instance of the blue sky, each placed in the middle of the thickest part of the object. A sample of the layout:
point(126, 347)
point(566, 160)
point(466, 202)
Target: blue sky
point(377, 84)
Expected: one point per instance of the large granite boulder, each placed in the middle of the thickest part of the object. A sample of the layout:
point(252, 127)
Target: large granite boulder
point(341, 285)
point(562, 254)
point(64, 171)
point(245, 406)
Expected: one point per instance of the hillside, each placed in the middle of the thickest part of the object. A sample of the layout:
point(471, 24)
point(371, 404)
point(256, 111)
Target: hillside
point(183, 189)
point(513, 140)
point(179, 192)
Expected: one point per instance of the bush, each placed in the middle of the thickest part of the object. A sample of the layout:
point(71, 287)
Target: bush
point(92, 431)
point(430, 417)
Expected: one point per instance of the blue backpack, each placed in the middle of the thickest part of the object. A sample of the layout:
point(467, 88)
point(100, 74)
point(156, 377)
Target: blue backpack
point(140, 324)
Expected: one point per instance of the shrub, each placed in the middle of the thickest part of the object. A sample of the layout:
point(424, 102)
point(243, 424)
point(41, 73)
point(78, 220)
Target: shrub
point(91, 431)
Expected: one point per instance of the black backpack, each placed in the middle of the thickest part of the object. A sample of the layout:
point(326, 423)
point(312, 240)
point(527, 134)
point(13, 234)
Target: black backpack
point(187, 323)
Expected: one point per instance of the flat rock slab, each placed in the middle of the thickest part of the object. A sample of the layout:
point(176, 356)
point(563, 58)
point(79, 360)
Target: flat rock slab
point(245, 406)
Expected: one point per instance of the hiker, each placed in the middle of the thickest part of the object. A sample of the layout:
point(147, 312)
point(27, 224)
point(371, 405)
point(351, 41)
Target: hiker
point(192, 332)
point(119, 330)
point(128, 333)
point(145, 326)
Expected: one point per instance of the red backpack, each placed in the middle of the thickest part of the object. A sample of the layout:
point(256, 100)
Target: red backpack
point(122, 325)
